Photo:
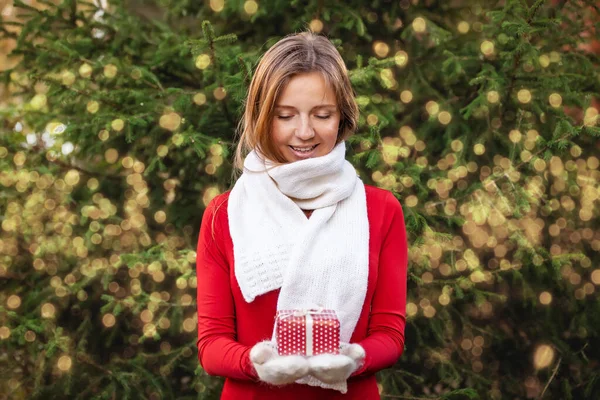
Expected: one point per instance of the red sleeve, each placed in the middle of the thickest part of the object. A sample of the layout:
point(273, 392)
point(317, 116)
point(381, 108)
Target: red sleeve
point(384, 342)
point(218, 351)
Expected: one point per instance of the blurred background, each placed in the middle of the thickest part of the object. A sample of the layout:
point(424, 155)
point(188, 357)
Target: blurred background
point(117, 125)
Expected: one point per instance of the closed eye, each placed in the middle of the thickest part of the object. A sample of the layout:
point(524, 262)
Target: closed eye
point(285, 117)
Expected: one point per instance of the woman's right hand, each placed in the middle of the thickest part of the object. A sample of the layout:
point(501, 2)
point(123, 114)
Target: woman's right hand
point(275, 369)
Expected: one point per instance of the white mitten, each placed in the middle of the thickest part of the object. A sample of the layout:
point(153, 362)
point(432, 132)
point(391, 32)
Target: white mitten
point(275, 369)
point(334, 368)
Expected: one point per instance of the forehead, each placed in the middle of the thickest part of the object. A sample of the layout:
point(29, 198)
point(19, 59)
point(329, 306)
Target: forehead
point(320, 106)
point(308, 91)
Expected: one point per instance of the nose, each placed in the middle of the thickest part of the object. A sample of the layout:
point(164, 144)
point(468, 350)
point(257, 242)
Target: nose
point(305, 131)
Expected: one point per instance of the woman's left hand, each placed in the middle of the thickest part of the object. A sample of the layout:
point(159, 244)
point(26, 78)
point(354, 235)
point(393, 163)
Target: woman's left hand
point(333, 368)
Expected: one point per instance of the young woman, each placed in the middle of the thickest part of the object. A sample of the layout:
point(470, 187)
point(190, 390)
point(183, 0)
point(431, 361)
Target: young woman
point(300, 229)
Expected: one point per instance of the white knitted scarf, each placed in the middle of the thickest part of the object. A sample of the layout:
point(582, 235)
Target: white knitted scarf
point(317, 261)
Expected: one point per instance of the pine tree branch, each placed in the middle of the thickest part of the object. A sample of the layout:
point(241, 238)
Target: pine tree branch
point(83, 357)
point(67, 166)
point(516, 168)
point(550, 380)
point(517, 57)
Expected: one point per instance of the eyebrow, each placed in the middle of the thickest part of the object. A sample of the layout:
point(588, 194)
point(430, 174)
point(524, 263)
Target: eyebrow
point(320, 106)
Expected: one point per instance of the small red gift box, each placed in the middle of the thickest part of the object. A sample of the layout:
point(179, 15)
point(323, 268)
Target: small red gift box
point(307, 332)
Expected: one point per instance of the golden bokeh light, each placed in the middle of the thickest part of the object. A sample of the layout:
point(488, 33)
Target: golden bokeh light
point(432, 107)
point(93, 107)
point(202, 61)
point(444, 117)
point(524, 96)
point(160, 216)
point(316, 25)
point(493, 97)
point(381, 49)
point(170, 121)
point(110, 71)
point(463, 27)
point(162, 150)
point(457, 145)
point(186, 300)
point(219, 93)
point(210, 169)
point(595, 277)
point(19, 158)
point(189, 324)
point(181, 283)
point(48, 310)
point(250, 7)
point(411, 309)
point(217, 5)
point(543, 356)
point(149, 330)
point(466, 344)
point(127, 162)
point(419, 25)
point(412, 200)
point(444, 299)
point(30, 336)
point(85, 70)
point(590, 117)
point(68, 78)
point(72, 177)
point(545, 298)
point(429, 312)
point(406, 96)
point(555, 100)
point(200, 99)
point(13, 301)
point(117, 124)
point(515, 136)
point(38, 101)
point(111, 156)
point(593, 163)
point(108, 320)
point(401, 58)
point(4, 332)
point(64, 363)
point(487, 47)
point(103, 135)
point(164, 323)
point(372, 119)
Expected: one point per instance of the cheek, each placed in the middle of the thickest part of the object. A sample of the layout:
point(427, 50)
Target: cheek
point(332, 128)
point(333, 124)
point(278, 132)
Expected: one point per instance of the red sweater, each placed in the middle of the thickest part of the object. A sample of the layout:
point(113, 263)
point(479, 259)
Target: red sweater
point(228, 327)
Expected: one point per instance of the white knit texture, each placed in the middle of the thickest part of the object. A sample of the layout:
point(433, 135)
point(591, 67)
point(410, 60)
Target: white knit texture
point(318, 261)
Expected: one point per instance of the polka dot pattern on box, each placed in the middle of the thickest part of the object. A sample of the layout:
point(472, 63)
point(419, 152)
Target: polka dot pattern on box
point(291, 334)
point(326, 336)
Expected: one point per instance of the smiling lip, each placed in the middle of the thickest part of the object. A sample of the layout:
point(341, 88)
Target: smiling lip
point(304, 155)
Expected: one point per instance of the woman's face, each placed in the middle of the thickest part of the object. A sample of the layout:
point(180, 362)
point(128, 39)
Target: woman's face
point(306, 115)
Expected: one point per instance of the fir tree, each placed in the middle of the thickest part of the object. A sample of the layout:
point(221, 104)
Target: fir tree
point(117, 128)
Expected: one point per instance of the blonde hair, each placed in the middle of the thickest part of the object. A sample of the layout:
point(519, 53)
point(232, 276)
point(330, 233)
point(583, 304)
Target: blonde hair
point(296, 53)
